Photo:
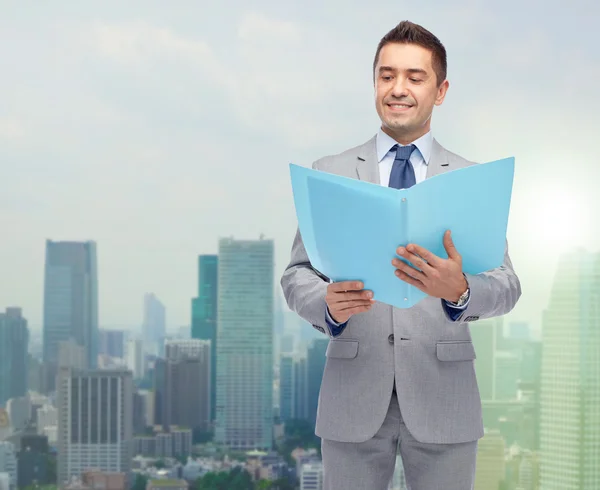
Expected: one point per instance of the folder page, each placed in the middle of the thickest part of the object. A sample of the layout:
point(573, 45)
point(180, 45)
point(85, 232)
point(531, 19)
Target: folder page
point(352, 228)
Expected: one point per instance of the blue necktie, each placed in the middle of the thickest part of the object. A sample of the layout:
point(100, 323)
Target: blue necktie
point(403, 173)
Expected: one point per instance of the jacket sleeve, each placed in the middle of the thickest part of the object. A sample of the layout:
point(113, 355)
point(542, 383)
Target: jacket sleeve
point(492, 293)
point(305, 288)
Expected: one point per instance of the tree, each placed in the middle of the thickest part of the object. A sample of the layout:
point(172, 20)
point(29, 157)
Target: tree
point(140, 482)
point(236, 479)
point(298, 433)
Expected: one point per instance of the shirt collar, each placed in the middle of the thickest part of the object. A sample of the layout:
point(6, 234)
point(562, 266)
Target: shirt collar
point(386, 142)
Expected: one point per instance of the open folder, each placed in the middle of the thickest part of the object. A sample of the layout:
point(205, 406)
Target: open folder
point(351, 228)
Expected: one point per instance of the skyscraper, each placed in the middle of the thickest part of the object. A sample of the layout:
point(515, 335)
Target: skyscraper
point(487, 335)
point(154, 329)
point(71, 298)
point(112, 343)
point(95, 426)
point(570, 376)
point(490, 464)
point(315, 365)
point(204, 315)
point(14, 361)
point(186, 392)
point(286, 387)
point(245, 344)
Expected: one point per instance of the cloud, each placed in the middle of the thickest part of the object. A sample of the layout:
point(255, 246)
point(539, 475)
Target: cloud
point(141, 42)
point(11, 129)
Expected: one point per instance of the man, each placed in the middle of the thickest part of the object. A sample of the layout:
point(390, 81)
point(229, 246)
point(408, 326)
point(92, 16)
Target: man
point(401, 378)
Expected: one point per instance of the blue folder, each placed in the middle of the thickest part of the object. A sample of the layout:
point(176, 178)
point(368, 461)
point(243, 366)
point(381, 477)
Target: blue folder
point(351, 228)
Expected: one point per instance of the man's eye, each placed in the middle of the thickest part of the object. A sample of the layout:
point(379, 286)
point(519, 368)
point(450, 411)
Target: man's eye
point(415, 80)
point(387, 78)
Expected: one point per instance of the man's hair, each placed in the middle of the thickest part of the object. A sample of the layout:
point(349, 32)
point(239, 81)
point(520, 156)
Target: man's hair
point(407, 32)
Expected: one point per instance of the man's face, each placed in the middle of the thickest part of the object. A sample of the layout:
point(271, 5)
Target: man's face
point(406, 91)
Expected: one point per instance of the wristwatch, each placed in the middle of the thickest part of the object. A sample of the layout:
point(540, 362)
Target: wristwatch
point(463, 297)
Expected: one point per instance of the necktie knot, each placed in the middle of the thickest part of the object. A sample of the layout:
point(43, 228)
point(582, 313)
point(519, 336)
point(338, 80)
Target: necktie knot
point(402, 175)
point(404, 152)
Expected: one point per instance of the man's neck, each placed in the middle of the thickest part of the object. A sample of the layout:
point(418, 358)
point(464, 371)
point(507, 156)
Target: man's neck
point(403, 138)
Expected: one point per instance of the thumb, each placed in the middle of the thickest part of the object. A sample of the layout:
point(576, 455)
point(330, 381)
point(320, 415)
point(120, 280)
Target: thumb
point(449, 246)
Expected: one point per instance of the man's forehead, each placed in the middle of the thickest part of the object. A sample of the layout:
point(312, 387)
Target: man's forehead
point(398, 55)
point(403, 61)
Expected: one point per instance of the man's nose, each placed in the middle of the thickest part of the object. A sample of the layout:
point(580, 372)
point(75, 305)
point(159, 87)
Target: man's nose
point(400, 89)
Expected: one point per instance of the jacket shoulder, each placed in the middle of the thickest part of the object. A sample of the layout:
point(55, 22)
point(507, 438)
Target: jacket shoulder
point(457, 160)
point(345, 156)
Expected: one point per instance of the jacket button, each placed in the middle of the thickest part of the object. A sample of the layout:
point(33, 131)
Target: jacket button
point(391, 339)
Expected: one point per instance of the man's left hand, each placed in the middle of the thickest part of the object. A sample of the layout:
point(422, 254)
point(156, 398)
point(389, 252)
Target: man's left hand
point(437, 277)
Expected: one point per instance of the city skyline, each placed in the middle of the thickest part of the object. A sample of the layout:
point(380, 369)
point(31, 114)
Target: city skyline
point(139, 164)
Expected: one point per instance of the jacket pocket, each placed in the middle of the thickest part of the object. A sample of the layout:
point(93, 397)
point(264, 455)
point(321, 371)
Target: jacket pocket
point(342, 348)
point(455, 350)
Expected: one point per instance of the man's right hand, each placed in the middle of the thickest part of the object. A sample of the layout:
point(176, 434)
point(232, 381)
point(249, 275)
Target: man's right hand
point(347, 298)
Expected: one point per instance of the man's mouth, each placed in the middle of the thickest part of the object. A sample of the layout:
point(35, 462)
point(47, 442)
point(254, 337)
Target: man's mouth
point(399, 107)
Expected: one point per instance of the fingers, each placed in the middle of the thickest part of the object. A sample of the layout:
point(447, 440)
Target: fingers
point(351, 308)
point(431, 259)
point(348, 305)
point(346, 286)
point(337, 296)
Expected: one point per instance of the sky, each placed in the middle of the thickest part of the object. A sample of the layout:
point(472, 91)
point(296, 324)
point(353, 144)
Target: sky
point(155, 128)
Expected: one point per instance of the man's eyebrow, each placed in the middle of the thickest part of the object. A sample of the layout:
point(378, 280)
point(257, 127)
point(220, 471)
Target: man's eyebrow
point(420, 71)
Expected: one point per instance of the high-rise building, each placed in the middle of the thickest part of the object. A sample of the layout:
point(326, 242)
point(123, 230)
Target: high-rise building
point(14, 359)
point(70, 299)
point(315, 365)
point(95, 426)
point(570, 376)
point(135, 358)
point(71, 354)
point(244, 406)
point(487, 338)
point(311, 476)
point(112, 343)
point(182, 384)
point(204, 315)
point(300, 393)
point(154, 328)
point(8, 462)
point(33, 461)
point(490, 464)
point(286, 387)
point(519, 331)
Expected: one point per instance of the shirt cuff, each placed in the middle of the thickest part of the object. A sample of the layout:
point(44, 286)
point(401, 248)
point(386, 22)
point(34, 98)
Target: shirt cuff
point(455, 311)
point(334, 327)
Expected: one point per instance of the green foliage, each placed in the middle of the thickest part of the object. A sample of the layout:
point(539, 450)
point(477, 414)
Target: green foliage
point(236, 479)
point(280, 484)
point(140, 482)
point(298, 433)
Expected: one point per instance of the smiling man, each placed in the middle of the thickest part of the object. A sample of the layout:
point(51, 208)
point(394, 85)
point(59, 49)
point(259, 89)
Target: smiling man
point(401, 379)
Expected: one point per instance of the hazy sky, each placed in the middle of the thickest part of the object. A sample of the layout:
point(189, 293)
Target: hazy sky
point(154, 128)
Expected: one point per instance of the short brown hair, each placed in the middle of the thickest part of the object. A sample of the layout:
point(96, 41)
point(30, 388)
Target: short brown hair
point(407, 32)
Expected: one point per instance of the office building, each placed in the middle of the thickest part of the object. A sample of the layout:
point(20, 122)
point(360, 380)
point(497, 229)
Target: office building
point(204, 315)
point(14, 359)
point(95, 426)
point(244, 405)
point(570, 376)
point(70, 300)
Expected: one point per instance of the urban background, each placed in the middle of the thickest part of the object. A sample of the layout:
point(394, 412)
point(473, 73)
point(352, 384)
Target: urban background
point(147, 217)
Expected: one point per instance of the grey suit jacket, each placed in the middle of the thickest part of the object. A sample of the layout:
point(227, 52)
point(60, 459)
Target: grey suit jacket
point(430, 356)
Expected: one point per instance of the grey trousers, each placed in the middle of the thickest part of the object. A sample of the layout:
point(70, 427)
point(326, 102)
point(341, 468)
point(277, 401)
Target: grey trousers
point(370, 465)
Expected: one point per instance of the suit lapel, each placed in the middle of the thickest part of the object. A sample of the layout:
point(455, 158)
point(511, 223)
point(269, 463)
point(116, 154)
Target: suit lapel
point(367, 166)
point(438, 162)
